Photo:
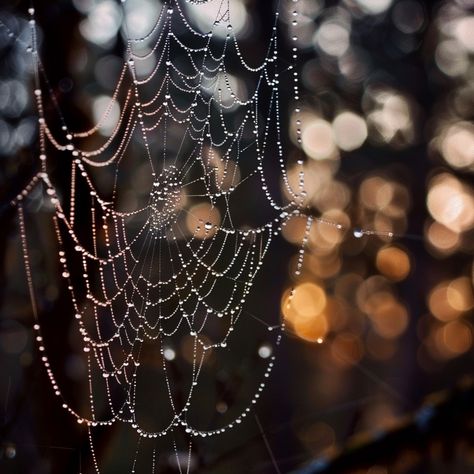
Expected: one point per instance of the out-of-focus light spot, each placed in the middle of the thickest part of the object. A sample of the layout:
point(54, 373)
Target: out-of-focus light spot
point(462, 95)
point(294, 229)
point(408, 16)
point(169, 353)
point(106, 111)
point(10, 451)
point(373, 7)
point(372, 292)
point(442, 239)
point(304, 33)
point(460, 294)
point(318, 140)
point(320, 242)
point(350, 131)
point(141, 181)
point(202, 220)
point(332, 196)
point(311, 329)
point(325, 264)
point(304, 311)
point(13, 98)
point(304, 29)
point(24, 133)
point(354, 65)
point(5, 138)
point(374, 194)
point(384, 199)
point(265, 351)
point(317, 174)
point(400, 202)
point(390, 318)
point(393, 262)
point(310, 10)
point(308, 300)
point(454, 339)
point(225, 173)
point(229, 89)
point(392, 117)
point(102, 23)
point(346, 349)
point(457, 145)
point(190, 350)
point(386, 225)
point(330, 232)
point(141, 16)
point(332, 37)
point(440, 305)
point(450, 58)
point(464, 32)
point(204, 14)
point(384, 196)
point(84, 6)
point(388, 197)
point(146, 65)
point(451, 203)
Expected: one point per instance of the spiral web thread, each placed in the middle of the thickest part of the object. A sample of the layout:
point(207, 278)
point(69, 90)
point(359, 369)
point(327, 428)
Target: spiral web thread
point(136, 276)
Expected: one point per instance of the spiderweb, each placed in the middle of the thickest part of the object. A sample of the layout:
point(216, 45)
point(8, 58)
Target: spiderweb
point(175, 261)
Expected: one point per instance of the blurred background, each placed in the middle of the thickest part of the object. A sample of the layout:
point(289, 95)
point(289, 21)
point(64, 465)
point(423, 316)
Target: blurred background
point(373, 374)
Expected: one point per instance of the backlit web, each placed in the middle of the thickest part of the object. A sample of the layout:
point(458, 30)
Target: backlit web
point(151, 263)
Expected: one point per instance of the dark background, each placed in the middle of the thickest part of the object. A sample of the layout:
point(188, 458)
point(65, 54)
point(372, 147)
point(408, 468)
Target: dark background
point(395, 332)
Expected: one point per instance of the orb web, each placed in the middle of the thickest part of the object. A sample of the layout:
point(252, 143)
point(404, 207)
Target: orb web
point(167, 259)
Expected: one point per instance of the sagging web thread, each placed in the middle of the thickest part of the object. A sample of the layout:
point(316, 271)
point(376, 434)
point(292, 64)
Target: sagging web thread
point(138, 275)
